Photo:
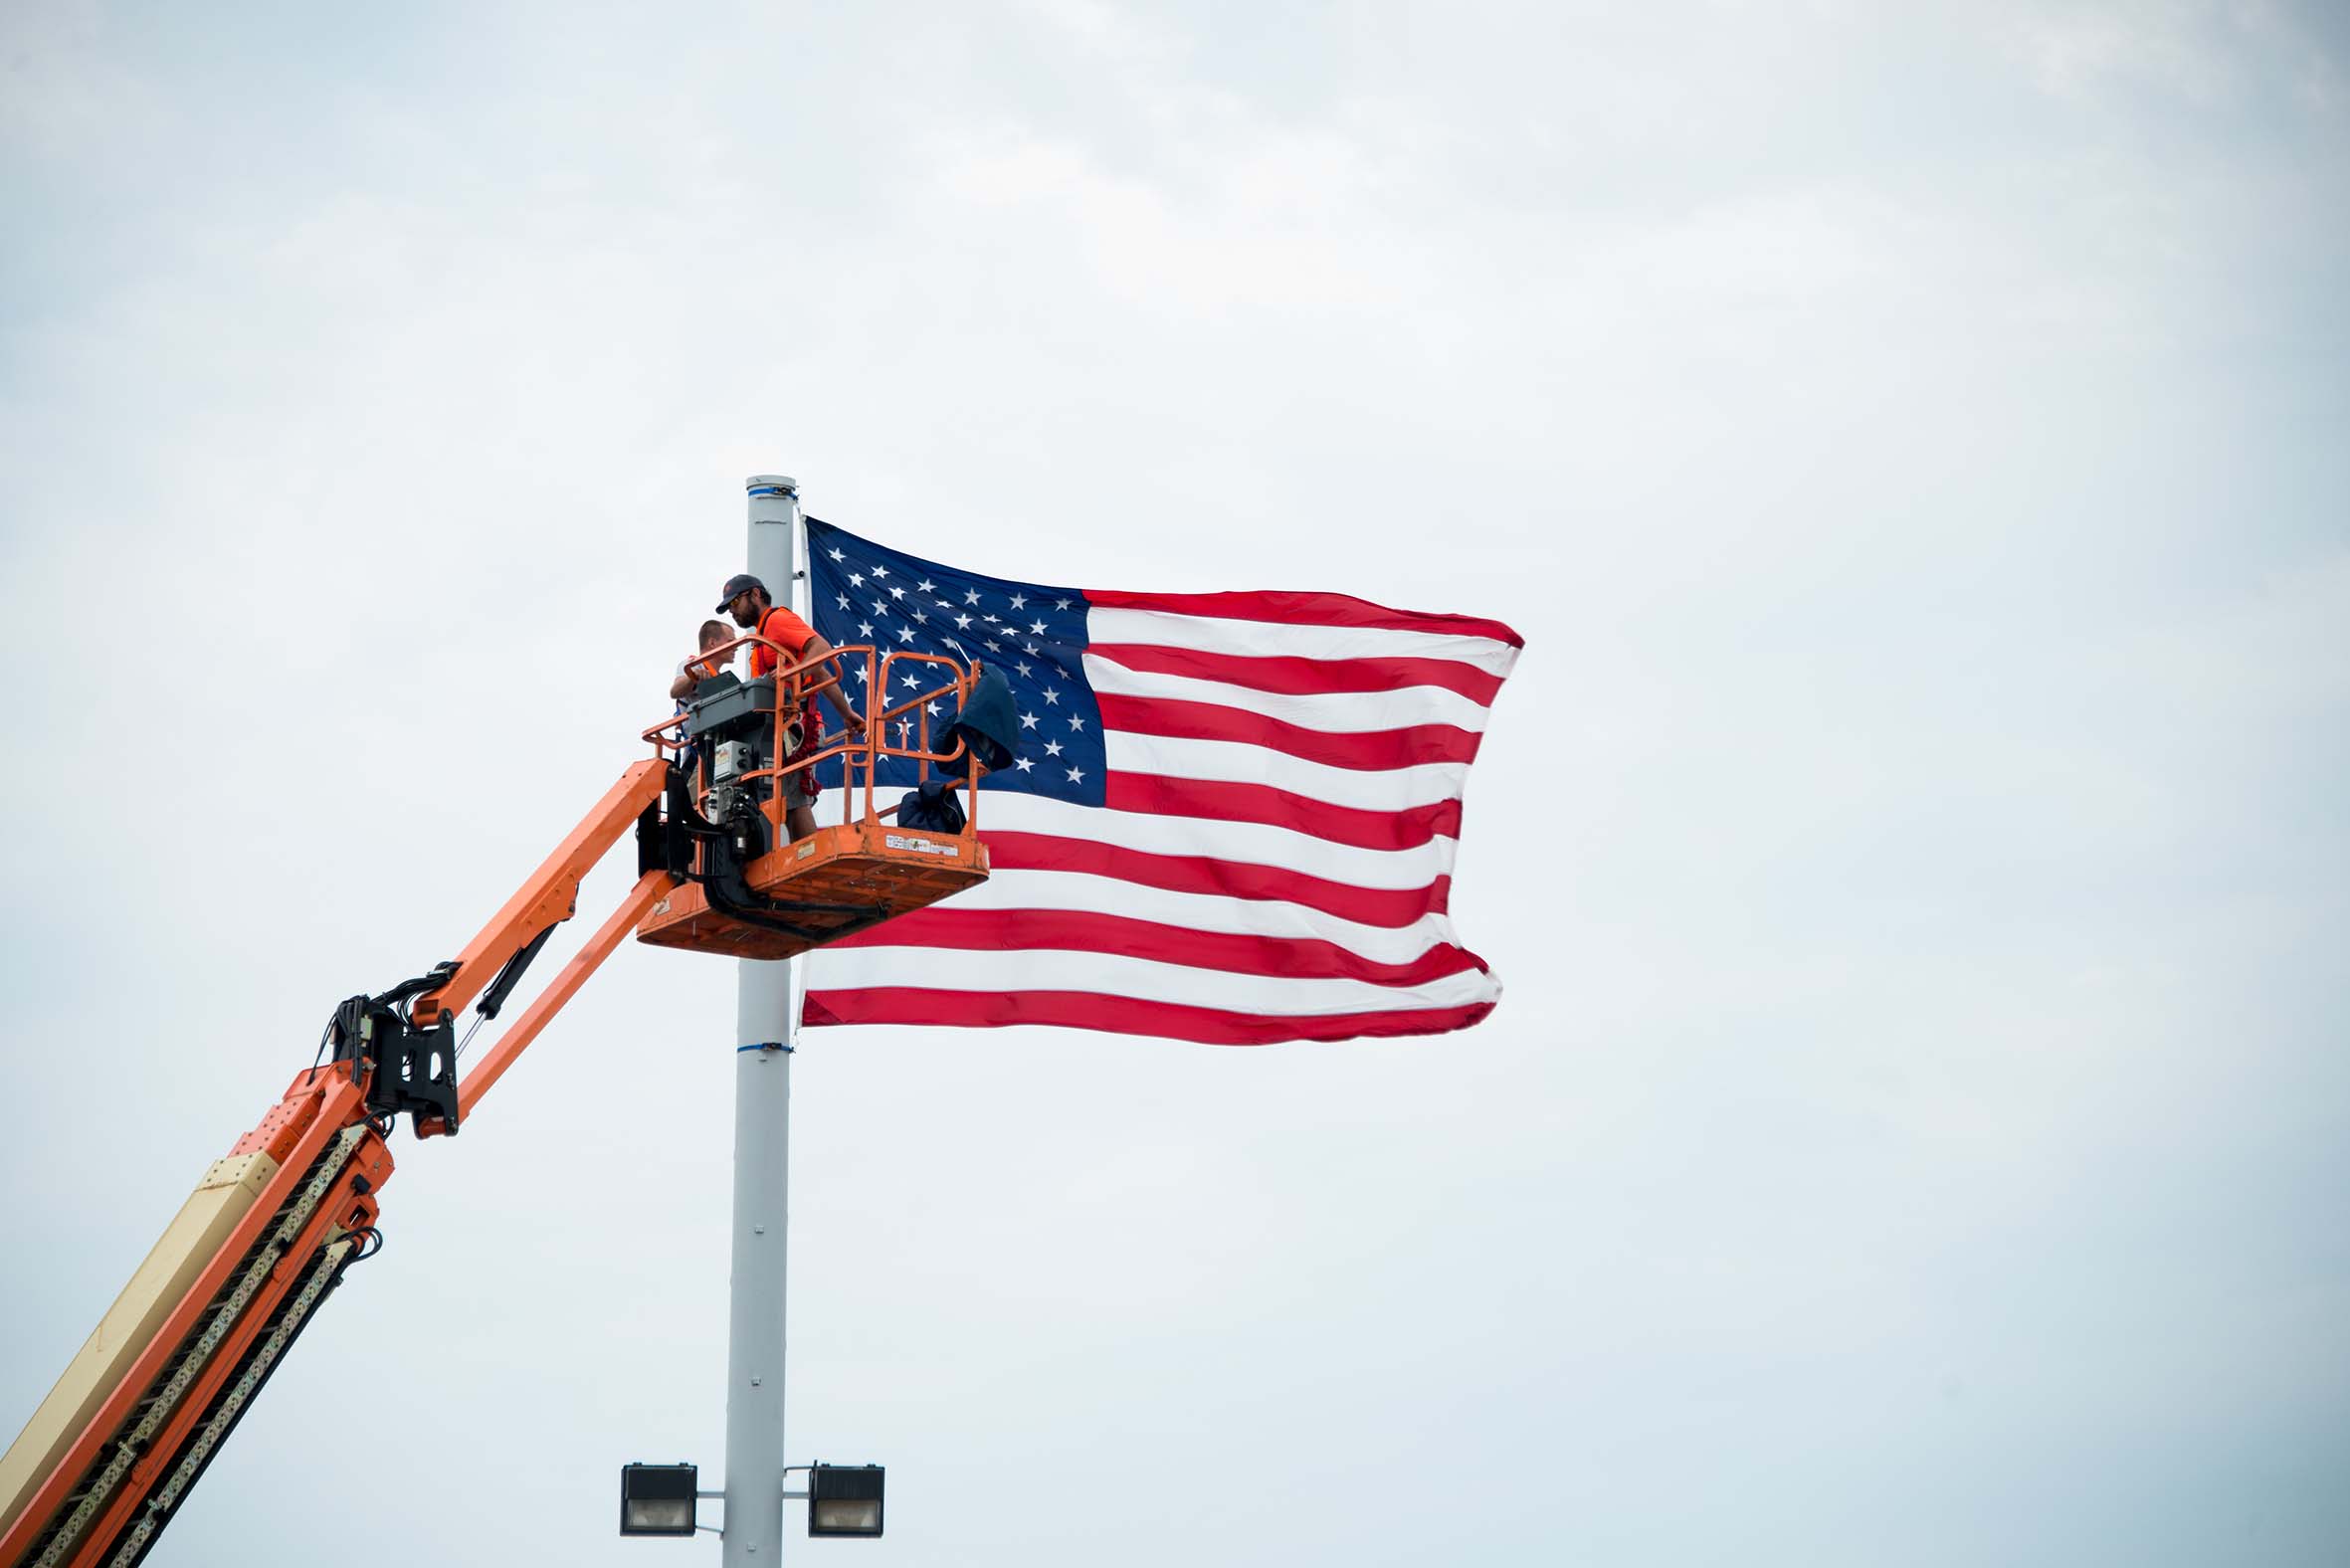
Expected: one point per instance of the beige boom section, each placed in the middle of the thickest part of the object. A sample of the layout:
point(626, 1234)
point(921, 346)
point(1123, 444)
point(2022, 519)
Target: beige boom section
point(191, 1240)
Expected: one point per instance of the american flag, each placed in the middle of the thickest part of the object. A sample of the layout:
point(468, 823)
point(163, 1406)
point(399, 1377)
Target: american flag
point(1232, 819)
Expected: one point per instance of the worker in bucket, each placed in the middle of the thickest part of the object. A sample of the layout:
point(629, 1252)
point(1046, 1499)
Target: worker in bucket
point(746, 600)
point(693, 671)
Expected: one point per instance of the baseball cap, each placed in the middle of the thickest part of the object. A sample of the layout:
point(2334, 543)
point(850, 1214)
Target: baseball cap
point(736, 586)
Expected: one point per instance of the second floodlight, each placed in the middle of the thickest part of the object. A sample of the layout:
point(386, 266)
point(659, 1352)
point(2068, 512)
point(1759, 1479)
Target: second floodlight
point(845, 1499)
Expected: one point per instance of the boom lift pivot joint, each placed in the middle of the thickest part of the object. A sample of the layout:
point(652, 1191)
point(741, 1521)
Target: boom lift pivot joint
point(404, 1069)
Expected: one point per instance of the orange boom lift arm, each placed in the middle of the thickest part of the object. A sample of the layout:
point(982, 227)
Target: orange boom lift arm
point(402, 1044)
point(270, 1230)
point(274, 1225)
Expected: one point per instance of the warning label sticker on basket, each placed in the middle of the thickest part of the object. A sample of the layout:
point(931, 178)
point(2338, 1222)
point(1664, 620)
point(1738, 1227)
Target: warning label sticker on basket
point(898, 841)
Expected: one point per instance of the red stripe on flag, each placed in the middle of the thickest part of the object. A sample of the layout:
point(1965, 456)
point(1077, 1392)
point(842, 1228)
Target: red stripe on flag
point(1304, 609)
point(1119, 1015)
point(1302, 677)
point(1233, 952)
point(1202, 874)
point(1221, 799)
point(1367, 751)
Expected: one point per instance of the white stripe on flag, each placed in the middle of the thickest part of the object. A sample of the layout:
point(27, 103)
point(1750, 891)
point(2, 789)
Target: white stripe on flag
point(1243, 842)
point(1388, 789)
point(1087, 895)
point(1289, 639)
point(1337, 712)
point(1107, 974)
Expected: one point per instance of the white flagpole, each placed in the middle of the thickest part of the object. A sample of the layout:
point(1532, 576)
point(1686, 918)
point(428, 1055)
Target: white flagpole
point(764, 1026)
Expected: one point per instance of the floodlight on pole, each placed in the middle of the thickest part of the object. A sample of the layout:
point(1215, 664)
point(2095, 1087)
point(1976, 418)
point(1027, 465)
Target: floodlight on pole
point(657, 1499)
point(845, 1499)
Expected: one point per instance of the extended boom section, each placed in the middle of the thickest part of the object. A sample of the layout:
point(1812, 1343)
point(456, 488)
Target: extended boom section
point(274, 1224)
point(208, 1316)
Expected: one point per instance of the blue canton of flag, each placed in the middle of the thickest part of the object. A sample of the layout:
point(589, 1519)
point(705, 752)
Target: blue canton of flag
point(867, 593)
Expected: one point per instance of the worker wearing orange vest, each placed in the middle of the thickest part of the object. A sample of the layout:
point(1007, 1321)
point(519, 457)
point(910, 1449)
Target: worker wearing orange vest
point(746, 599)
point(693, 671)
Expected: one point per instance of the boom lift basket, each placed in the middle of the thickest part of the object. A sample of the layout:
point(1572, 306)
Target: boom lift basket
point(750, 891)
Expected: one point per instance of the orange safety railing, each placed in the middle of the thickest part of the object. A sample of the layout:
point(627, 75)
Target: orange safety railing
point(902, 728)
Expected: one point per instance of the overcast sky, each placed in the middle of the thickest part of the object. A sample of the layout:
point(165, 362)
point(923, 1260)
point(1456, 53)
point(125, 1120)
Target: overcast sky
point(1910, 440)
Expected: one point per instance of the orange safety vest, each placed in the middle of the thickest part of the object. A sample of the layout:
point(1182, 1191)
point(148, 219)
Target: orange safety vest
point(784, 627)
